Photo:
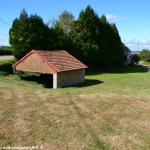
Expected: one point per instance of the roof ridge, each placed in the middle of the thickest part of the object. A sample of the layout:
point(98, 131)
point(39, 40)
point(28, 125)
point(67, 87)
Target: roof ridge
point(58, 60)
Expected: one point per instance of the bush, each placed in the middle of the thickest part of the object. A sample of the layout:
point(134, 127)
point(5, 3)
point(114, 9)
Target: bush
point(135, 59)
point(5, 52)
point(145, 55)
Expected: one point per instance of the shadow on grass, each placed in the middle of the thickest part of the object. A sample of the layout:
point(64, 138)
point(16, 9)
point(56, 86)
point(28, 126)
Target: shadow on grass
point(89, 82)
point(121, 70)
point(6, 69)
point(45, 79)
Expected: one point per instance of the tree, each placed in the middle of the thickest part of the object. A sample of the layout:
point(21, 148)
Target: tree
point(62, 29)
point(65, 22)
point(115, 45)
point(98, 41)
point(86, 34)
point(28, 32)
point(145, 55)
point(135, 59)
point(6, 47)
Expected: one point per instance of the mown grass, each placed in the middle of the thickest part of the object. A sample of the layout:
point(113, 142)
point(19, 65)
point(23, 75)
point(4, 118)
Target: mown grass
point(109, 111)
point(145, 63)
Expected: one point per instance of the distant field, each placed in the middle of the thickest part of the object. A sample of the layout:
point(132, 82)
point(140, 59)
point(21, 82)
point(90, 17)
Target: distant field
point(6, 57)
point(110, 111)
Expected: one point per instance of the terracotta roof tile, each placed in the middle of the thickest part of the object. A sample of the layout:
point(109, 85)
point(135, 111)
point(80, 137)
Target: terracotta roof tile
point(61, 60)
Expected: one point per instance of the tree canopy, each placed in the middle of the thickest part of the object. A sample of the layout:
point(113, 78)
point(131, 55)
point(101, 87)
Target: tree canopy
point(97, 41)
point(145, 55)
point(90, 38)
point(135, 59)
point(28, 32)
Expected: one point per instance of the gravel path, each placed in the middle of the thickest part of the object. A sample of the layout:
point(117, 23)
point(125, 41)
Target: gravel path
point(6, 57)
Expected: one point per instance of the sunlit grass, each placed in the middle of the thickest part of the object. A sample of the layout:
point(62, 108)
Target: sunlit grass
point(145, 63)
point(109, 111)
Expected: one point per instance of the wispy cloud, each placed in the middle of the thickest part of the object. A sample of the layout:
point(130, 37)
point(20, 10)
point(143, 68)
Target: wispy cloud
point(114, 18)
point(137, 44)
point(110, 17)
point(145, 42)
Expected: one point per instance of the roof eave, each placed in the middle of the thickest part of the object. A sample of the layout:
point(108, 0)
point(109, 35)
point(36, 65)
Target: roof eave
point(73, 69)
point(40, 57)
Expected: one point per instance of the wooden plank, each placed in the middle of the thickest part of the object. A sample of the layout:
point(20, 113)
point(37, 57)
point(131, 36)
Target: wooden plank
point(33, 64)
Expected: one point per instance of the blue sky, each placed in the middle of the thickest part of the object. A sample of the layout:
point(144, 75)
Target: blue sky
point(132, 17)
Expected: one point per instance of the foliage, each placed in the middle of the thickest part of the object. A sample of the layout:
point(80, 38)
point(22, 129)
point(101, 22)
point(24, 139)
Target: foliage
point(5, 50)
point(28, 32)
point(135, 59)
point(6, 47)
point(111, 46)
point(86, 35)
point(62, 32)
point(145, 55)
point(65, 22)
point(89, 38)
point(98, 41)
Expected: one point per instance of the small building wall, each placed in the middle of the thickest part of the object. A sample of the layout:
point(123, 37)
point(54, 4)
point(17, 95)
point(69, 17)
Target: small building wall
point(68, 78)
point(33, 64)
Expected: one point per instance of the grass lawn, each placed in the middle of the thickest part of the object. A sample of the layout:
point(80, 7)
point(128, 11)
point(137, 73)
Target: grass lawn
point(145, 63)
point(109, 111)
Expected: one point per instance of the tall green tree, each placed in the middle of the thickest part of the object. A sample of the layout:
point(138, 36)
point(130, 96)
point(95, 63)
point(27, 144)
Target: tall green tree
point(27, 33)
point(86, 35)
point(115, 46)
point(97, 40)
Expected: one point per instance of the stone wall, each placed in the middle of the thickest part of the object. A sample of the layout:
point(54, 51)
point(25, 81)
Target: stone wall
point(68, 78)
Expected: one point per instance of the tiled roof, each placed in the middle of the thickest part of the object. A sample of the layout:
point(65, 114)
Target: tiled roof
point(61, 60)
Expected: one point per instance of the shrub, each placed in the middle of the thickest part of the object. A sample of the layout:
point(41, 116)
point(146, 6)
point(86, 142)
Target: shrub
point(145, 55)
point(5, 52)
point(135, 59)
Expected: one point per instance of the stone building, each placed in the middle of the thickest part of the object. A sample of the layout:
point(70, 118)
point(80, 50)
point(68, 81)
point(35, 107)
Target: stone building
point(127, 55)
point(65, 69)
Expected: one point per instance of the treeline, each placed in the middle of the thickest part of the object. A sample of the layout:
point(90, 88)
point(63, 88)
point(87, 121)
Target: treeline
point(145, 55)
point(5, 50)
point(90, 38)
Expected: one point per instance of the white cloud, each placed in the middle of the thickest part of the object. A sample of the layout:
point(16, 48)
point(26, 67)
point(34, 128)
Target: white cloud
point(137, 44)
point(114, 18)
point(145, 42)
point(110, 17)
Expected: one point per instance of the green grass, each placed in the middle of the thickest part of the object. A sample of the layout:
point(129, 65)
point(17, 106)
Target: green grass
point(6, 62)
point(109, 111)
point(145, 63)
